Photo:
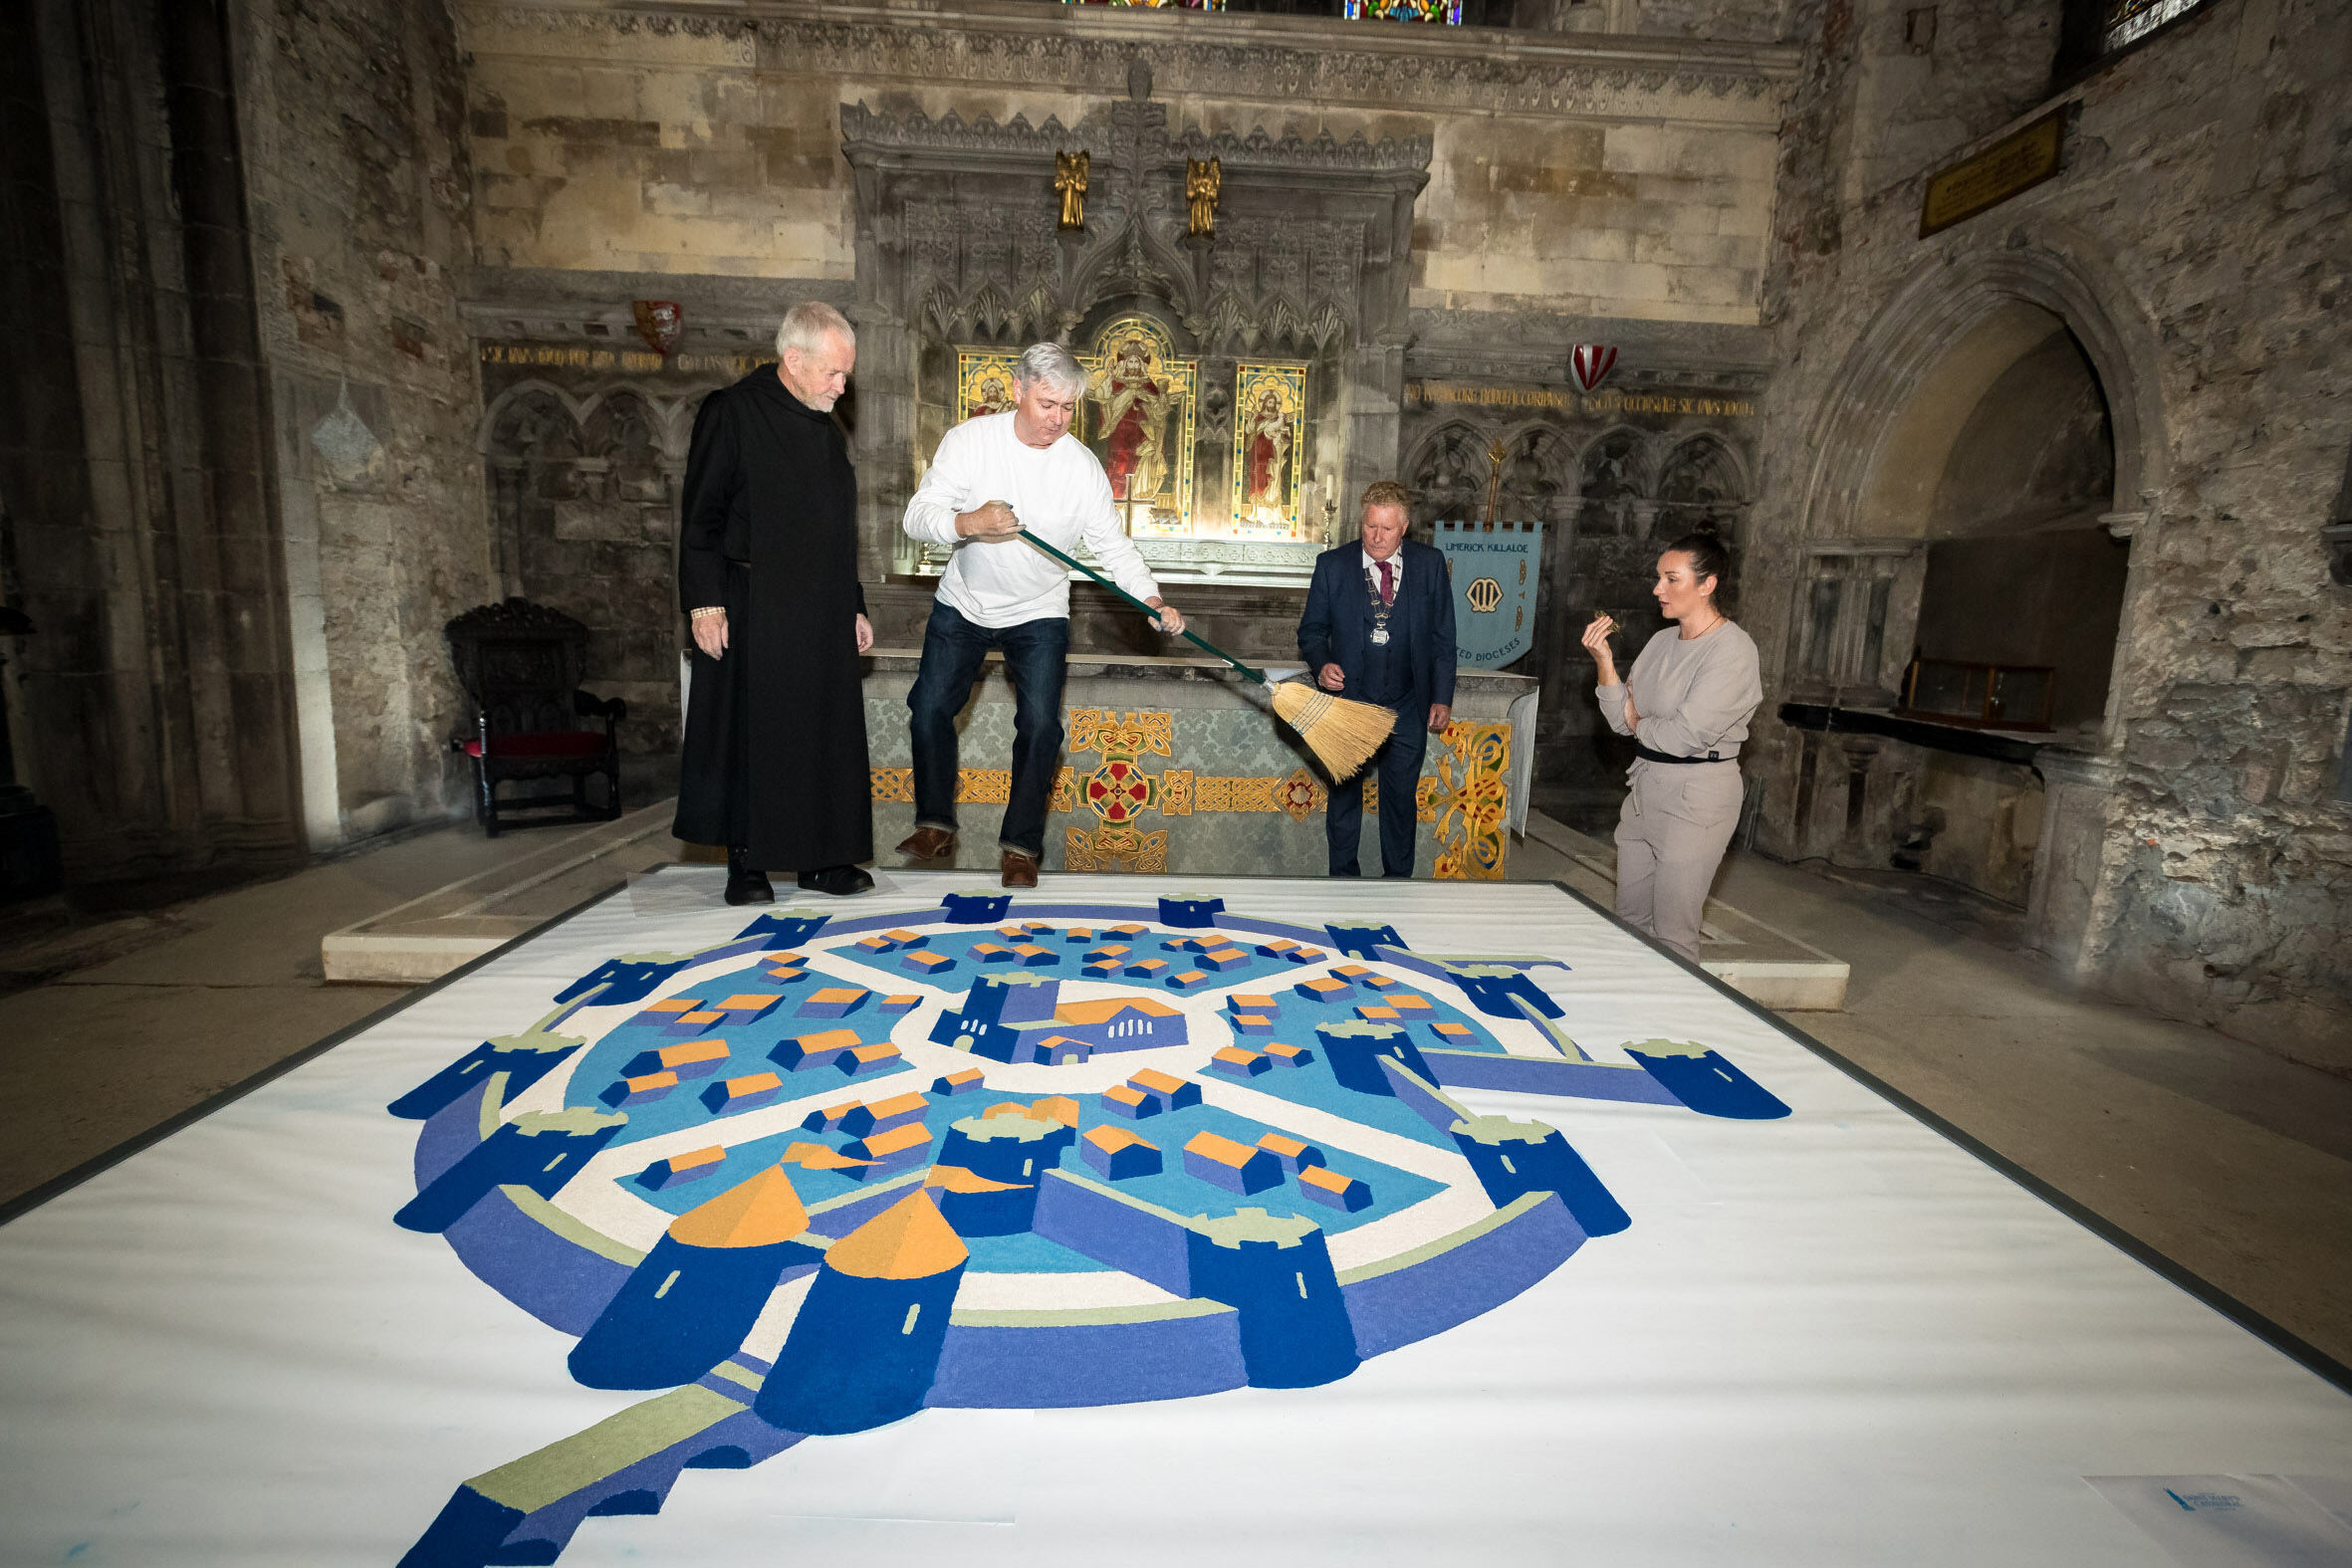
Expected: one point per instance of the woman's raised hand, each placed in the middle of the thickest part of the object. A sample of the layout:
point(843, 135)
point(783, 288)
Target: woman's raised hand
point(1596, 643)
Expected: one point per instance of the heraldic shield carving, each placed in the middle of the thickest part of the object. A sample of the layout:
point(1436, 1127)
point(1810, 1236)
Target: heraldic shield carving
point(1496, 567)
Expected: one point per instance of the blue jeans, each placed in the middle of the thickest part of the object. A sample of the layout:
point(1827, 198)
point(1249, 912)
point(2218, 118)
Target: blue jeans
point(1037, 657)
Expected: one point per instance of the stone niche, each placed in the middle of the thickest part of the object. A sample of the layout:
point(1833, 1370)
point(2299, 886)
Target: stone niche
point(1666, 442)
point(1294, 304)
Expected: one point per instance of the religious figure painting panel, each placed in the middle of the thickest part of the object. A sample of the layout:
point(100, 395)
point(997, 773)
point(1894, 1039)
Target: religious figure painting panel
point(1269, 449)
point(984, 382)
point(1137, 417)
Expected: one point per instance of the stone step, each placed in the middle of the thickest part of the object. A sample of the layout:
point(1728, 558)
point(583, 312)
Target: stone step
point(1768, 967)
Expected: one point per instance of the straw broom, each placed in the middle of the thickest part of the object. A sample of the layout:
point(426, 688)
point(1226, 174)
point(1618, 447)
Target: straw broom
point(1344, 735)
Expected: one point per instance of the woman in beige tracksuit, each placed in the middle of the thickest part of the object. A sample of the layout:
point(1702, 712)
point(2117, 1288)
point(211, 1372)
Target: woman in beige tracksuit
point(1687, 705)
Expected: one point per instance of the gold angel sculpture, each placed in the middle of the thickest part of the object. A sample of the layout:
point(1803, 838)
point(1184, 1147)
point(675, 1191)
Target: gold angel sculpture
point(1200, 184)
point(1070, 182)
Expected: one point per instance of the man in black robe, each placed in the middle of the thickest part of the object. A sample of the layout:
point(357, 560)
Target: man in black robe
point(775, 764)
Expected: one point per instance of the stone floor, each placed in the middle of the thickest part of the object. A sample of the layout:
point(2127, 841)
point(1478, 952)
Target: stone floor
point(2232, 1162)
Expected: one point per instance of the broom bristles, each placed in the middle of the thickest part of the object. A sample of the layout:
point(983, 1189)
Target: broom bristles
point(1344, 735)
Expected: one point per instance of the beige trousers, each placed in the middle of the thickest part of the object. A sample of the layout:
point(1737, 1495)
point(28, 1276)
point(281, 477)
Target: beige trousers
point(1671, 835)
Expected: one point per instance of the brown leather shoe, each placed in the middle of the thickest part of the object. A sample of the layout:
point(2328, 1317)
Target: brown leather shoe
point(1019, 869)
point(928, 843)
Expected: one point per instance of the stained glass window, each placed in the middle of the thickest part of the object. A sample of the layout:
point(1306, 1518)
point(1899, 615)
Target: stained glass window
point(1446, 12)
point(2129, 20)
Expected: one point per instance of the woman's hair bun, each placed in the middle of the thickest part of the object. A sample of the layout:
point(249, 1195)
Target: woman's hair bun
point(1710, 556)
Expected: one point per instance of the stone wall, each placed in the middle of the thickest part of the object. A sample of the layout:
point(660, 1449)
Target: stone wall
point(2191, 855)
point(353, 114)
point(151, 707)
point(1603, 177)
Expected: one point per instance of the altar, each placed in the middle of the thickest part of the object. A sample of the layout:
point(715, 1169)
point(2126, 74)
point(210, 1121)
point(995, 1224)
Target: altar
point(1175, 766)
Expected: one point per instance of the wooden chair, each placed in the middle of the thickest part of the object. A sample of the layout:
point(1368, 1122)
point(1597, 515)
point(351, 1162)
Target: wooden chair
point(521, 665)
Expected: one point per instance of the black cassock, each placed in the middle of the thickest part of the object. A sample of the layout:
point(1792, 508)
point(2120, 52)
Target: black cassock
point(775, 753)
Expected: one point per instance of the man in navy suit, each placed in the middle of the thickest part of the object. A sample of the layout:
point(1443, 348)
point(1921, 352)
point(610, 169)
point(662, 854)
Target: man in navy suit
point(1379, 628)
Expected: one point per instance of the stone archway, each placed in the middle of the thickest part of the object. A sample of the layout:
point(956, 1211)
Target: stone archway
point(1903, 407)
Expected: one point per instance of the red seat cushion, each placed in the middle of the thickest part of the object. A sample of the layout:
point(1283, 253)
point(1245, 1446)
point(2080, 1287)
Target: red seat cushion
point(567, 742)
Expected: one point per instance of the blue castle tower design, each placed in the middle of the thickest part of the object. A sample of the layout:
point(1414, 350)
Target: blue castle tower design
point(1276, 1271)
point(976, 909)
point(1704, 1081)
point(524, 1059)
point(1355, 1049)
point(1007, 1148)
point(623, 980)
point(540, 1150)
point(687, 1306)
point(1513, 1159)
point(1491, 988)
point(1190, 911)
point(865, 1349)
point(1358, 939)
point(781, 930)
point(993, 1002)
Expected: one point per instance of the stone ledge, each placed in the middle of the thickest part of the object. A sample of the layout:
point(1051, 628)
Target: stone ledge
point(428, 936)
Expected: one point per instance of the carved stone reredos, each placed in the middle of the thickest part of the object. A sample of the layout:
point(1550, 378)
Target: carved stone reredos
point(964, 243)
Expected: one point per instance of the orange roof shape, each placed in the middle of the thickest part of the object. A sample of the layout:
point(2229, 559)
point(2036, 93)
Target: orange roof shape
point(1103, 1009)
point(819, 1157)
point(1155, 1080)
point(759, 1211)
point(1059, 1107)
point(674, 1005)
point(962, 1179)
point(747, 1002)
point(1218, 1147)
point(896, 1140)
point(907, 1240)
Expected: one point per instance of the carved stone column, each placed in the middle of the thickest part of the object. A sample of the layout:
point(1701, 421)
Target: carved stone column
point(2077, 802)
point(508, 475)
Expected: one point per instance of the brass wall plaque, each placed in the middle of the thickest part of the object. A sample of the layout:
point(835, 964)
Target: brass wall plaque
point(2012, 164)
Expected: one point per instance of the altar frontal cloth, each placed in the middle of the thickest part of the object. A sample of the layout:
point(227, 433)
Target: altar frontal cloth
point(1119, 1222)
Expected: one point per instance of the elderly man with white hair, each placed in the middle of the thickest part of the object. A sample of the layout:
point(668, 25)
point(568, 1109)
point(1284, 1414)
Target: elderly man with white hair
point(995, 477)
point(775, 765)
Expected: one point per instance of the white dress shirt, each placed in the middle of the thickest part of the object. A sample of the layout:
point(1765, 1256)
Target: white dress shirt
point(1396, 572)
point(1059, 494)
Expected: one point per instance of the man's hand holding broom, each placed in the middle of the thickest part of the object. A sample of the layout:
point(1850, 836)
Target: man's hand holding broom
point(995, 522)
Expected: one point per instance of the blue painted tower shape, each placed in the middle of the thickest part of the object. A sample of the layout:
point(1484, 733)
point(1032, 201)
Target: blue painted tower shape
point(540, 1150)
point(687, 1306)
point(1358, 939)
point(1276, 1273)
point(524, 1059)
point(865, 1349)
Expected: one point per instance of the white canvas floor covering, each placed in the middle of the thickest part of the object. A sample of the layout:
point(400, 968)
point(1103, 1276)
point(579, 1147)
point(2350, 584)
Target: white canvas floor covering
point(1834, 1337)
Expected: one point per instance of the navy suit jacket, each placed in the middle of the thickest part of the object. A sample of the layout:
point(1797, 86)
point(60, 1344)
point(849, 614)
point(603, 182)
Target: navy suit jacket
point(1337, 627)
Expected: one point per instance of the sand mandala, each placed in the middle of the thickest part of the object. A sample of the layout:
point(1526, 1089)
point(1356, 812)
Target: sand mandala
point(995, 1154)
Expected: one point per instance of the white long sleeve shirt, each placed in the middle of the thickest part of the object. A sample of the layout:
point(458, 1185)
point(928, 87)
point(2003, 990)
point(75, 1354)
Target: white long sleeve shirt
point(1059, 494)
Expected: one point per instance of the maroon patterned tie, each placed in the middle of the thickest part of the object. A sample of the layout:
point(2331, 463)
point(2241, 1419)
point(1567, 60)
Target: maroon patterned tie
point(1387, 585)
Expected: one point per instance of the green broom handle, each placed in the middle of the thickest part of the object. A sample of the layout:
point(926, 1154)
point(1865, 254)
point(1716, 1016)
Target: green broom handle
point(1257, 675)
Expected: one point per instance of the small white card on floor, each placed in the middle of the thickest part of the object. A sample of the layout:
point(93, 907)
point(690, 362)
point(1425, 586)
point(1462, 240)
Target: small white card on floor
point(2230, 1521)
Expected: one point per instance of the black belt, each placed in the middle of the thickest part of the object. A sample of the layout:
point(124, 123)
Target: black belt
point(1648, 755)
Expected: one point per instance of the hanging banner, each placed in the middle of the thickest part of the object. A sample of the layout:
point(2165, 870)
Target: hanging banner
point(1495, 568)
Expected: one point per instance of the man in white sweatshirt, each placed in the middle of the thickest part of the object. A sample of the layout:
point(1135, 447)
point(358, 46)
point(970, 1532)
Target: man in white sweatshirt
point(995, 477)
